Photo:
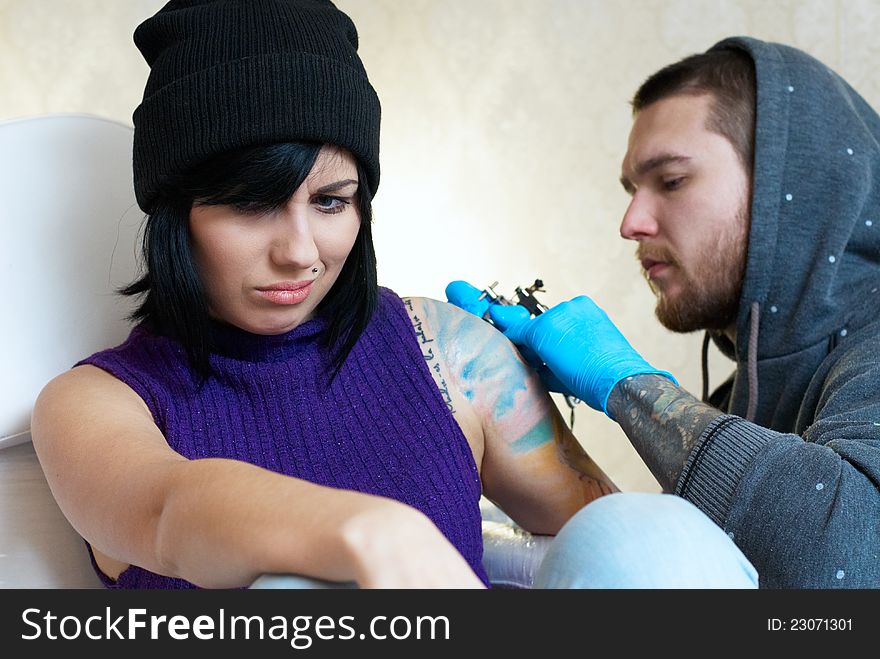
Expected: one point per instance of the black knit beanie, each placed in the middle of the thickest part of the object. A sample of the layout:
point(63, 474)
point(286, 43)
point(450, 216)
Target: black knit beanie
point(227, 74)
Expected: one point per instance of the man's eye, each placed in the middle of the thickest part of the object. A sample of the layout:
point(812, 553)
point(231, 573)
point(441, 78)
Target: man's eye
point(673, 183)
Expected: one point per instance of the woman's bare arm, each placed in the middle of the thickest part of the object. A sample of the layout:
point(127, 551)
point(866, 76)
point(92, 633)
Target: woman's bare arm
point(217, 522)
point(532, 465)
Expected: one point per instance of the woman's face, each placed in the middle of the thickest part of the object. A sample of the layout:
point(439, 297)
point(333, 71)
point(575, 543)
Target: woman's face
point(266, 272)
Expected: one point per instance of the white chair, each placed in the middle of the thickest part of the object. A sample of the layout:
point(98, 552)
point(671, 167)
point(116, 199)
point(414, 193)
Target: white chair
point(69, 225)
point(70, 239)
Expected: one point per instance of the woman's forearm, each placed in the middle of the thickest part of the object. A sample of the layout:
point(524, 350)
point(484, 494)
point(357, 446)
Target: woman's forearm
point(224, 522)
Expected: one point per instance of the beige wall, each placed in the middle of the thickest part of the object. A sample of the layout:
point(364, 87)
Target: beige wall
point(504, 122)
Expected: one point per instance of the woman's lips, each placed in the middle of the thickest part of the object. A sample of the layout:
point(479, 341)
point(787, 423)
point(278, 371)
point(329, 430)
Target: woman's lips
point(292, 293)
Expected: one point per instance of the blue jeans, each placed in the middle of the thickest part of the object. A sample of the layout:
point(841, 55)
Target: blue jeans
point(636, 540)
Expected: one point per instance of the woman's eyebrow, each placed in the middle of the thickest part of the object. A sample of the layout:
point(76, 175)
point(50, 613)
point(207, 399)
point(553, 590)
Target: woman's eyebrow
point(336, 187)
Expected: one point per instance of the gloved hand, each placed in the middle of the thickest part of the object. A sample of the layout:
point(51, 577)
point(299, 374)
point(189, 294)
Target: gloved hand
point(515, 314)
point(579, 344)
point(467, 297)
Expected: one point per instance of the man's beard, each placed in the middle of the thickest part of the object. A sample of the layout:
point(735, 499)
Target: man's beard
point(709, 295)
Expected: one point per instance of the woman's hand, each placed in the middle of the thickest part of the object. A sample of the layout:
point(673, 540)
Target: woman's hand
point(395, 546)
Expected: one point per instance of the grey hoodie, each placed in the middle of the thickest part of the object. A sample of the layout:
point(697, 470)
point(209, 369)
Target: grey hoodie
point(797, 486)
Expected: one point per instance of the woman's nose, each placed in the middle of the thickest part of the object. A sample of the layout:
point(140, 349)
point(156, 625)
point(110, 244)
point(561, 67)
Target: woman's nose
point(294, 241)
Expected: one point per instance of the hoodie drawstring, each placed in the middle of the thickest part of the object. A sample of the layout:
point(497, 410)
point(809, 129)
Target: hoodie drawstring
point(754, 323)
point(754, 320)
point(705, 363)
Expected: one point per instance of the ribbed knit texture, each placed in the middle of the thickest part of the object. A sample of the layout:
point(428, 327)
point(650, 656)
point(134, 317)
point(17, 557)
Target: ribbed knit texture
point(382, 427)
point(711, 477)
point(228, 74)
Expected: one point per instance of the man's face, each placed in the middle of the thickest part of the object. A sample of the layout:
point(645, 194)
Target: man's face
point(689, 213)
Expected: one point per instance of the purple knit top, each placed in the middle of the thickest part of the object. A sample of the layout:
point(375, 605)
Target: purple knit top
point(382, 427)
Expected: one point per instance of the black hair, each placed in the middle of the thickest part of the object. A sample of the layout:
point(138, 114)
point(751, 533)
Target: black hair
point(255, 178)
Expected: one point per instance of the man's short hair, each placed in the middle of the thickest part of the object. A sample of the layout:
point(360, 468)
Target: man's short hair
point(729, 76)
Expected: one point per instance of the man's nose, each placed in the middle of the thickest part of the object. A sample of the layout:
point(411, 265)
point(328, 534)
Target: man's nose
point(640, 219)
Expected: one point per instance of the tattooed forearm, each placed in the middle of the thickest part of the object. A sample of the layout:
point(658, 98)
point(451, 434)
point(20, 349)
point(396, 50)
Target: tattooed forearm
point(662, 421)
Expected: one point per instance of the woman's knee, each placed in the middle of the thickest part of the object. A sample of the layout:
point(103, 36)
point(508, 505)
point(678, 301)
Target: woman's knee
point(643, 540)
point(638, 512)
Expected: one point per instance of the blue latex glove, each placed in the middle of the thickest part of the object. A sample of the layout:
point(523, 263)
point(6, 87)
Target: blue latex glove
point(467, 297)
point(579, 344)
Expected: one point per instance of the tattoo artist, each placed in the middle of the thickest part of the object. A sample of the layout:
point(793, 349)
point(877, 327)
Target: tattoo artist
point(754, 176)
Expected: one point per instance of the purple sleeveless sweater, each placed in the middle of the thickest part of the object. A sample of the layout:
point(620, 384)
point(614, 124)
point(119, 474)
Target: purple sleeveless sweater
point(382, 427)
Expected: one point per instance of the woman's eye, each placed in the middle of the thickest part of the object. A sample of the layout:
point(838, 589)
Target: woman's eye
point(327, 204)
point(673, 183)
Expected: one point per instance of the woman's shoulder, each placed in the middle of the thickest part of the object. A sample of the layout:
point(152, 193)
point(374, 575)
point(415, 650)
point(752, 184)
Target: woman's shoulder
point(445, 318)
point(84, 388)
point(458, 336)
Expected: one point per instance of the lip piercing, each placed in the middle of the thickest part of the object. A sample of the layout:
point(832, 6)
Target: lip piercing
point(315, 270)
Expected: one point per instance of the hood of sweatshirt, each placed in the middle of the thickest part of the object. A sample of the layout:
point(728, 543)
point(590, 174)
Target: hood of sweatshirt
point(813, 270)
